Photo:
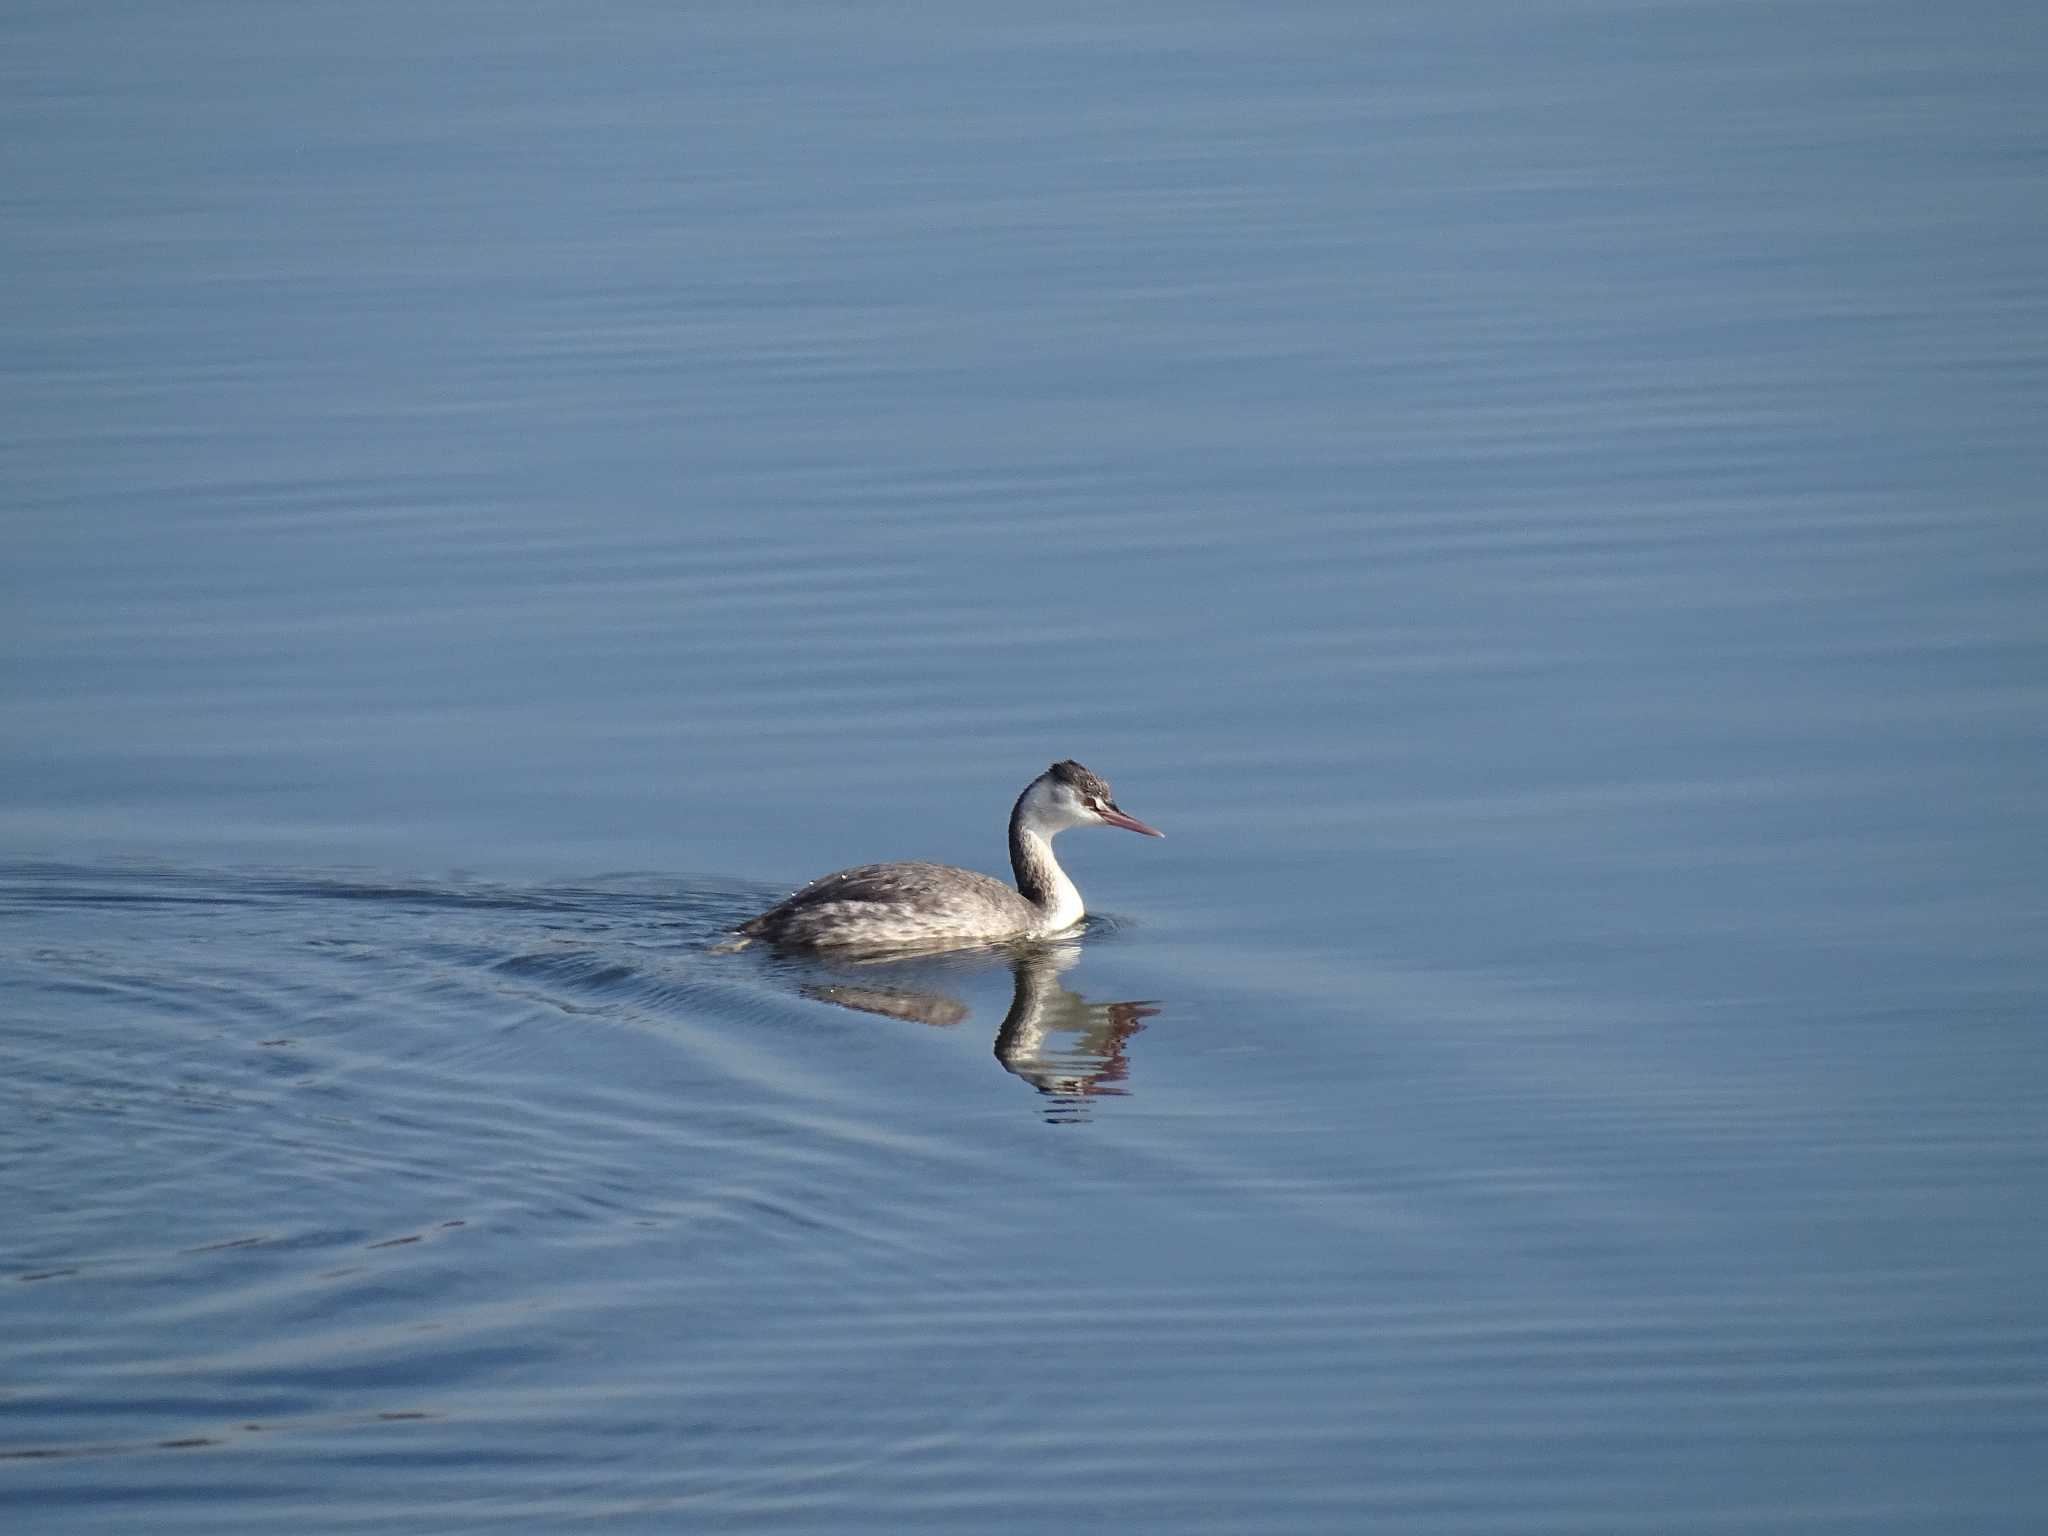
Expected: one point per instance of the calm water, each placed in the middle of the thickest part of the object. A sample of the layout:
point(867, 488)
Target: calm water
point(1543, 506)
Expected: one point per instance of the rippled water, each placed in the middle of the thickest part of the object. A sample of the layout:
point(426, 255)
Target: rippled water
point(1541, 506)
point(364, 1200)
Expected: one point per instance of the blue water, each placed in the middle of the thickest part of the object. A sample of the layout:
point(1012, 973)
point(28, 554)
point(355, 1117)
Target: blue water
point(1541, 505)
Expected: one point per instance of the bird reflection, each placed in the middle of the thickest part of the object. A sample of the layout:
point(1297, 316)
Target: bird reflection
point(1071, 1050)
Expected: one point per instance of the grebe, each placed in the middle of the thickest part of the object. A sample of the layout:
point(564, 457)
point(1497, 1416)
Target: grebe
point(893, 905)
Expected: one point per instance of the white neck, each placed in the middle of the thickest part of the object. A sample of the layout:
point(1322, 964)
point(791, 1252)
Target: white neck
point(1039, 876)
point(1037, 819)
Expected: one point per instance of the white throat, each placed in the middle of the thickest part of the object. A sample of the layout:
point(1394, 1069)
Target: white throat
point(1041, 815)
point(1052, 891)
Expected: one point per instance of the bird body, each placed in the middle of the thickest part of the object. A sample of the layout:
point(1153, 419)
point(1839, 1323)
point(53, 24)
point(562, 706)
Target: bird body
point(914, 904)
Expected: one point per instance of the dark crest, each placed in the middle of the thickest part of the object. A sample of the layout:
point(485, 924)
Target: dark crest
point(1067, 771)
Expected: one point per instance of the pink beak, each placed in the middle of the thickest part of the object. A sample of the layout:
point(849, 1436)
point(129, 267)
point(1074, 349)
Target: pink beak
point(1117, 818)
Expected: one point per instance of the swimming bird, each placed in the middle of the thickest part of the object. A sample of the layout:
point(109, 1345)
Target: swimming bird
point(911, 904)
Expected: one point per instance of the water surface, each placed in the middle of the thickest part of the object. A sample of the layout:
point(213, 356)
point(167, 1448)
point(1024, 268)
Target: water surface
point(1542, 507)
